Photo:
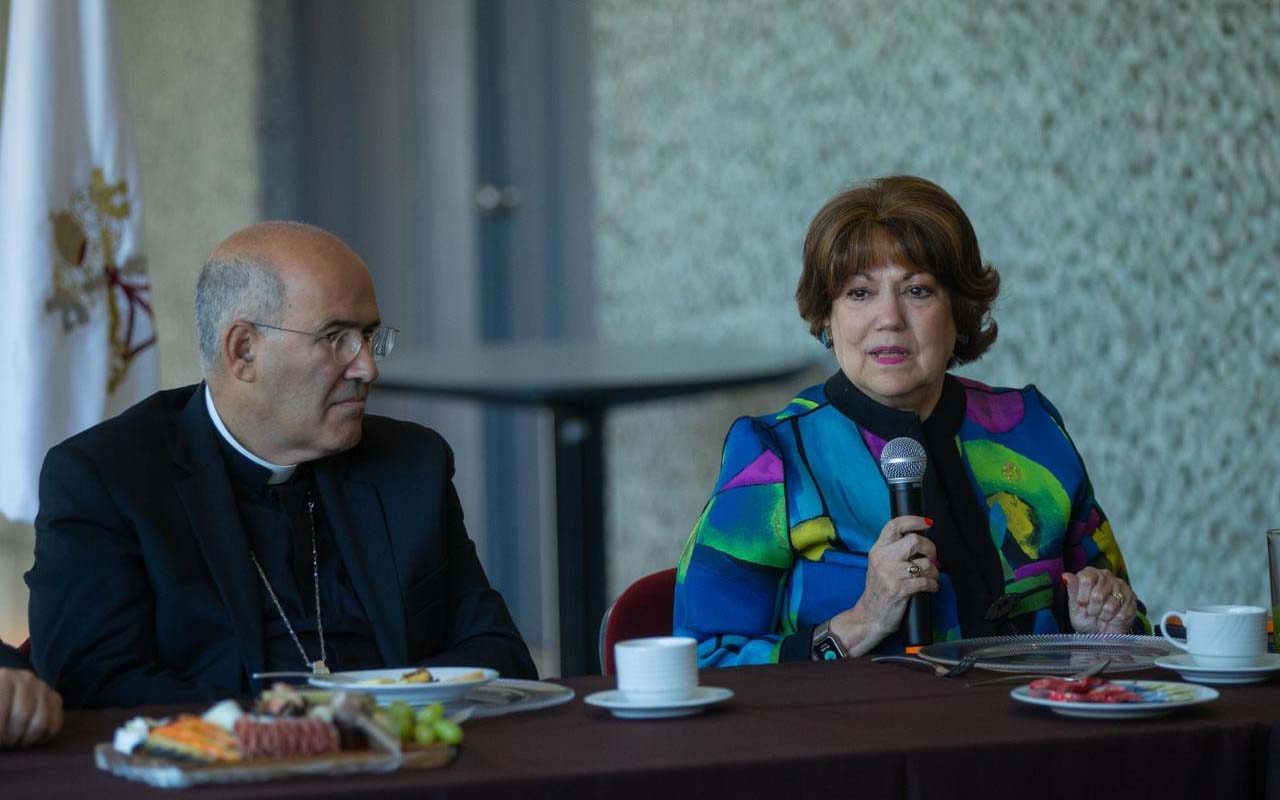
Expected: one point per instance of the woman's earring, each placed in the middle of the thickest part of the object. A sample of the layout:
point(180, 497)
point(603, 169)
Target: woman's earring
point(825, 337)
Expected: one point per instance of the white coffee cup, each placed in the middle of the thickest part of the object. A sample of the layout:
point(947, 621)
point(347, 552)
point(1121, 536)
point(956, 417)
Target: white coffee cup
point(658, 669)
point(1221, 636)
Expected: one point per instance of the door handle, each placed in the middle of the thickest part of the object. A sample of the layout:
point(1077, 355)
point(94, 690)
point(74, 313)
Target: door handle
point(492, 199)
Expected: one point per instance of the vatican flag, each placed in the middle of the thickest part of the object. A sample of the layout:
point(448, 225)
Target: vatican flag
point(76, 337)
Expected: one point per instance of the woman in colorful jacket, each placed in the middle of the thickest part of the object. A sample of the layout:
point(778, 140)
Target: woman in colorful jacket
point(796, 556)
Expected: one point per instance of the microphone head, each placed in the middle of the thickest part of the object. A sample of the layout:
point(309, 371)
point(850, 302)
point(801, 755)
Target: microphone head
point(903, 460)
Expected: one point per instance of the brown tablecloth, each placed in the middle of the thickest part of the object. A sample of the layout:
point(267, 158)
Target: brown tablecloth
point(851, 729)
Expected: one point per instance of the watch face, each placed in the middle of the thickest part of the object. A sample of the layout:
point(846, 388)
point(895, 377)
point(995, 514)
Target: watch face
point(827, 649)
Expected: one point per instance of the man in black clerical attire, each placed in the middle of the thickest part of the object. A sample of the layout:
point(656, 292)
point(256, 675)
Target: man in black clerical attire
point(259, 521)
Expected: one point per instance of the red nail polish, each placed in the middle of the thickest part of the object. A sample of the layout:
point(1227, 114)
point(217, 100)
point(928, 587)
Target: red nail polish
point(928, 521)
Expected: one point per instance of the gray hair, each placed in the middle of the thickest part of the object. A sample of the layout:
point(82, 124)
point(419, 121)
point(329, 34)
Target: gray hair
point(232, 288)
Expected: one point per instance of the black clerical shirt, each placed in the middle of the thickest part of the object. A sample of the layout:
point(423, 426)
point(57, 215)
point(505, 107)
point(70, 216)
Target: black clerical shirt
point(966, 553)
point(278, 527)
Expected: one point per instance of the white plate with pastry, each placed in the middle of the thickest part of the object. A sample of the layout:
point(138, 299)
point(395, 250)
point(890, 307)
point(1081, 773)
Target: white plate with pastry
point(414, 685)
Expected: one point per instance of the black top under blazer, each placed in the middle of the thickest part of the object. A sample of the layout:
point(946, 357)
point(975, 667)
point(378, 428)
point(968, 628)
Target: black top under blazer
point(143, 590)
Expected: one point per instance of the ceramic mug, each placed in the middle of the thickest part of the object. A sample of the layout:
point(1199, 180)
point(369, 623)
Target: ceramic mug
point(1221, 636)
point(658, 669)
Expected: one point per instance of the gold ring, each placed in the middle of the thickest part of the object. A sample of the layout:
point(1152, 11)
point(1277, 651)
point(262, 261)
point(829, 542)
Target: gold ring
point(1118, 597)
point(913, 570)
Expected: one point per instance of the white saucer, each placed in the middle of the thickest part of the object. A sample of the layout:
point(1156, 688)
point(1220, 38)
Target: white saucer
point(1185, 665)
point(618, 703)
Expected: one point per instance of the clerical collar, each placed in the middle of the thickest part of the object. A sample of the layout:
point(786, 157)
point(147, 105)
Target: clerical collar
point(888, 423)
point(279, 474)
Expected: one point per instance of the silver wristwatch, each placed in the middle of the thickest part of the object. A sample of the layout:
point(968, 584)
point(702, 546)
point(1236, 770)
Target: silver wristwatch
point(826, 647)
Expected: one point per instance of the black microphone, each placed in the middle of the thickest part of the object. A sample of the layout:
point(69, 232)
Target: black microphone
point(903, 462)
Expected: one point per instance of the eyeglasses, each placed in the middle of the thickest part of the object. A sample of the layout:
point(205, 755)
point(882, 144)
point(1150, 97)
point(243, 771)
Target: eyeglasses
point(346, 343)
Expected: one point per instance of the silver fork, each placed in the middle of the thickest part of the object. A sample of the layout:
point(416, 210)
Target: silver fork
point(941, 670)
point(1096, 668)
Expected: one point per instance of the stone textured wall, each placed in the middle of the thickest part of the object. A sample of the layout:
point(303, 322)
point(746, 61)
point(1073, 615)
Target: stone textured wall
point(1119, 159)
point(191, 69)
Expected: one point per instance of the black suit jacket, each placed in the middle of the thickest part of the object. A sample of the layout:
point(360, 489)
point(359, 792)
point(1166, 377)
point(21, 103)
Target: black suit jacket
point(143, 590)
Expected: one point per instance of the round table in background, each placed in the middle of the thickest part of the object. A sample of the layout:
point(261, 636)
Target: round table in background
point(578, 382)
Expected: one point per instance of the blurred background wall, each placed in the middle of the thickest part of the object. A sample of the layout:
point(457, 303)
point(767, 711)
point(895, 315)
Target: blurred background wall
point(1119, 160)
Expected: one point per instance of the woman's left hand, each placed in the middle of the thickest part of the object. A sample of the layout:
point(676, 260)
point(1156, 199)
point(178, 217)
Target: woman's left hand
point(1099, 602)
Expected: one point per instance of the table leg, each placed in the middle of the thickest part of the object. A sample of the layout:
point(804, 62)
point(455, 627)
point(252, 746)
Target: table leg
point(579, 434)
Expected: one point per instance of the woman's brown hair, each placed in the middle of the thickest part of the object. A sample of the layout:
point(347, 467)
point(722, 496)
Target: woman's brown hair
point(912, 222)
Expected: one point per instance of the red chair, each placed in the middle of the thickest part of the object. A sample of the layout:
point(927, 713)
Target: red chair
point(643, 609)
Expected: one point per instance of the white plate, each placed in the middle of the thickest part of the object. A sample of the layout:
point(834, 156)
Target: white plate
point(1160, 697)
point(618, 703)
point(1185, 665)
point(510, 696)
point(443, 690)
point(1052, 653)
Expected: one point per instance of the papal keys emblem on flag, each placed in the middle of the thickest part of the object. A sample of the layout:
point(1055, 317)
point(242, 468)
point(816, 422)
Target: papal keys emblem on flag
point(85, 272)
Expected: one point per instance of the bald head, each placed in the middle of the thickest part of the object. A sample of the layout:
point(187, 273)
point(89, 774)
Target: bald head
point(288, 247)
point(255, 273)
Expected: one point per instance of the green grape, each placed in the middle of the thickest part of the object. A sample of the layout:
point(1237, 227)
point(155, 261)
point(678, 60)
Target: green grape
point(423, 733)
point(430, 714)
point(399, 709)
point(402, 715)
point(448, 731)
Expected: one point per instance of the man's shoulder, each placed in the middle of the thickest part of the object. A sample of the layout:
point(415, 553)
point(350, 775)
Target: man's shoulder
point(387, 438)
point(145, 421)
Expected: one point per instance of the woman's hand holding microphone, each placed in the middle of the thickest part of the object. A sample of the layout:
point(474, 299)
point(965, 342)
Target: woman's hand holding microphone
point(900, 564)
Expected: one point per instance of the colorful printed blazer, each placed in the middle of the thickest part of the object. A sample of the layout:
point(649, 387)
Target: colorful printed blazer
point(782, 544)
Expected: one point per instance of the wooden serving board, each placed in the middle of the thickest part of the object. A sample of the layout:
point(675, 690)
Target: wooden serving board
point(167, 773)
